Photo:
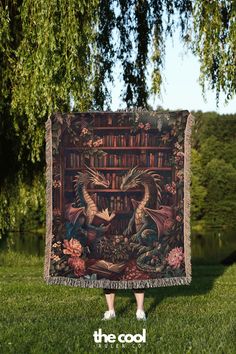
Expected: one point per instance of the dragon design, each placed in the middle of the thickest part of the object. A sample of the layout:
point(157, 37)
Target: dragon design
point(81, 213)
point(84, 202)
point(149, 215)
point(83, 199)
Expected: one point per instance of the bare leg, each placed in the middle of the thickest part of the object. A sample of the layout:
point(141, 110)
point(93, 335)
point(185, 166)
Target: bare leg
point(110, 299)
point(140, 300)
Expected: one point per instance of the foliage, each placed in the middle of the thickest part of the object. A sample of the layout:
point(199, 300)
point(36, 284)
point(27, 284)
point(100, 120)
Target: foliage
point(22, 205)
point(213, 40)
point(198, 191)
point(46, 58)
point(133, 35)
point(214, 169)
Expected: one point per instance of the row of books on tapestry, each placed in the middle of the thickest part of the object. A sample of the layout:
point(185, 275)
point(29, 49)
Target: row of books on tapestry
point(147, 159)
point(137, 140)
point(119, 203)
point(114, 203)
point(115, 181)
point(113, 121)
point(109, 121)
point(118, 226)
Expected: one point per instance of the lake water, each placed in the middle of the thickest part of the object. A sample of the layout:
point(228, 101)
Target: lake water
point(210, 247)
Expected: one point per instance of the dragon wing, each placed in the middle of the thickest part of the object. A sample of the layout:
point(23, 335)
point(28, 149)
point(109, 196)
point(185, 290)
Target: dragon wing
point(159, 216)
point(72, 213)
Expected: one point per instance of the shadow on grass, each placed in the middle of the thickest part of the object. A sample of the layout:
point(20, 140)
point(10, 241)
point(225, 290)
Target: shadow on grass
point(203, 278)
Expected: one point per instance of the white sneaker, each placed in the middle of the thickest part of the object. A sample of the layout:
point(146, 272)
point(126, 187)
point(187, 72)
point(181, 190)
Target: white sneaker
point(140, 315)
point(108, 315)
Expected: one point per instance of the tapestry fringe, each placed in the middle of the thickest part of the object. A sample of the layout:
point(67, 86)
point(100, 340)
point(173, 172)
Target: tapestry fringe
point(187, 196)
point(49, 217)
point(121, 284)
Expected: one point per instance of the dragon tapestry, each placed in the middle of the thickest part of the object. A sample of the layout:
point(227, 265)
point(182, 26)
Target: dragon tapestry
point(118, 199)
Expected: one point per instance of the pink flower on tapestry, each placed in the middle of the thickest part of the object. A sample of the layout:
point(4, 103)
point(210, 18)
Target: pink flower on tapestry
point(179, 218)
point(171, 188)
point(89, 143)
point(84, 131)
point(78, 264)
point(175, 257)
point(147, 126)
point(98, 142)
point(179, 157)
point(72, 247)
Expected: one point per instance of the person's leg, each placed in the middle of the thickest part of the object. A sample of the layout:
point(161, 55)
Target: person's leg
point(110, 299)
point(139, 295)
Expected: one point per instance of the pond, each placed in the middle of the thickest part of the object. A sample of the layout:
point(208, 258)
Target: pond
point(208, 247)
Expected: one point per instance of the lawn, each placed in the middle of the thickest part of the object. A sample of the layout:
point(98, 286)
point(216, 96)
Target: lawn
point(40, 318)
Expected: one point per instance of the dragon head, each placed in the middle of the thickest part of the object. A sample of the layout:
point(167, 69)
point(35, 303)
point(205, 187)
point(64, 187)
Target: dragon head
point(97, 178)
point(132, 179)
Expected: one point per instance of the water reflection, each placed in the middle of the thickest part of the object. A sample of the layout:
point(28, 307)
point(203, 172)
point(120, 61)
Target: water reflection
point(208, 247)
point(31, 243)
point(212, 246)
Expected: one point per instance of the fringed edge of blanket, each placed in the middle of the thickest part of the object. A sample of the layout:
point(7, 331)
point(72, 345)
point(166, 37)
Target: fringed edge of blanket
point(49, 217)
point(187, 196)
point(121, 284)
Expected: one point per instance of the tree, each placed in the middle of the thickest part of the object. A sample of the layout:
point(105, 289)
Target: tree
point(53, 52)
point(198, 190)
point(214, 169)
point(46, 59)
point(213, 40)
point(220, 181)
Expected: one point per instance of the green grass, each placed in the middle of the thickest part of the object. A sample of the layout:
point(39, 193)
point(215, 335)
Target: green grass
point(40, 318)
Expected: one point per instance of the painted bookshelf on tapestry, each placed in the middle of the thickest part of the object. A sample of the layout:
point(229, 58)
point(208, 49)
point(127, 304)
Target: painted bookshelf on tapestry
point(113, 144)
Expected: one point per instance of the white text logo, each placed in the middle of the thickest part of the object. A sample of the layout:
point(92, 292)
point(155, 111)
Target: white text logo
point(100, 337)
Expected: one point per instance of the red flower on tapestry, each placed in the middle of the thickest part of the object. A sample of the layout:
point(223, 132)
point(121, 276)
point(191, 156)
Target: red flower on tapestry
point(72, 247)
point(175, 257)
point(78, 264)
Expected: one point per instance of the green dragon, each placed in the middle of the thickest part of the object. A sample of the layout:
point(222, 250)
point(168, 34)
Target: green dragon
point(148, 218)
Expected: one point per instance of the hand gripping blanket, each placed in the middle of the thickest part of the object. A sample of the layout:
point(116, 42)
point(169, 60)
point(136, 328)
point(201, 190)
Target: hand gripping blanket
point(118, 199)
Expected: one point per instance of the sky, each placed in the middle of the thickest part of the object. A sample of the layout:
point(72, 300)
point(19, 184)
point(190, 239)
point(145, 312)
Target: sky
point(180, 88)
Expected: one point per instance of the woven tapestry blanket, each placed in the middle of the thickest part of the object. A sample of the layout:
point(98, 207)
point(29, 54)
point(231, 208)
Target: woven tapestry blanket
point(118, 199)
